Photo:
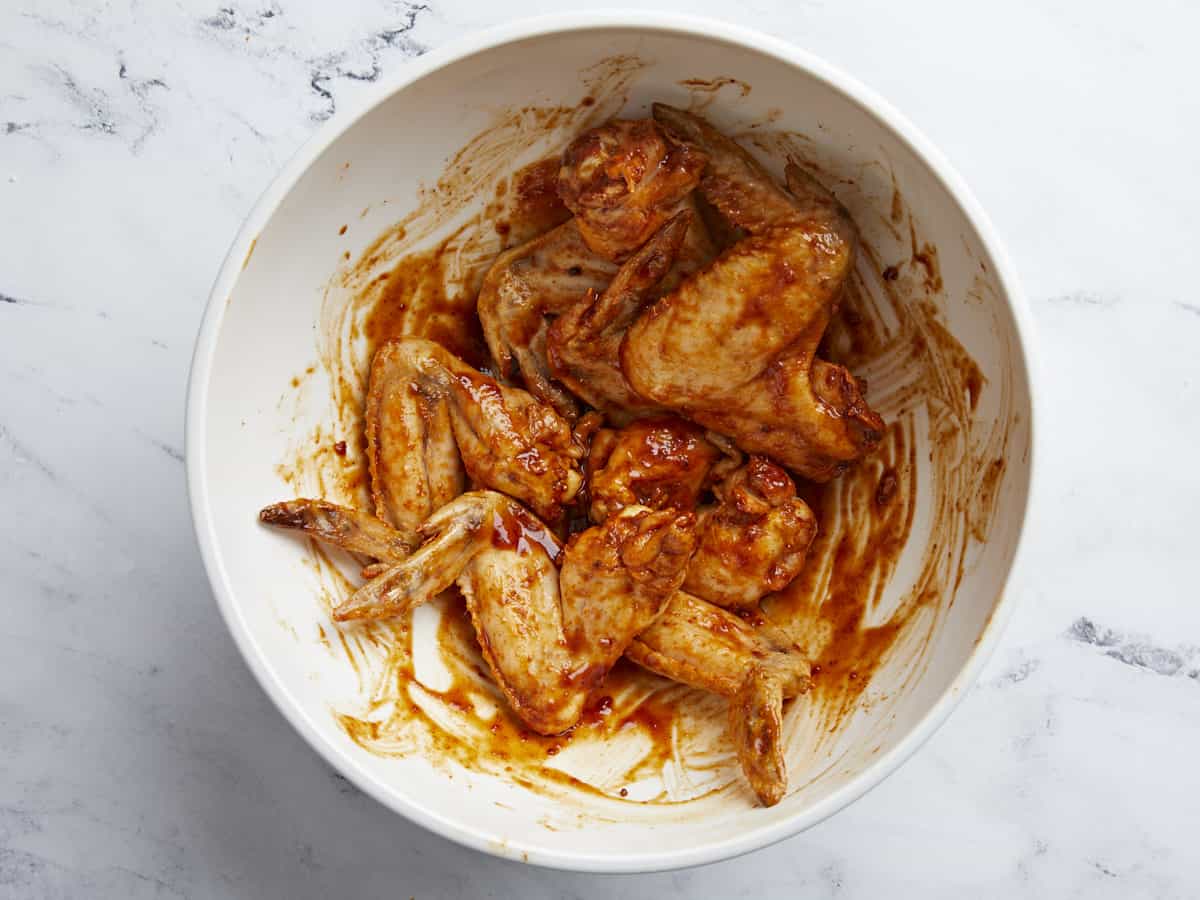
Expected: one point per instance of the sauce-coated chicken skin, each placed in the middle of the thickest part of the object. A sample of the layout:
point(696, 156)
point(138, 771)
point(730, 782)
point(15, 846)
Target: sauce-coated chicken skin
point(753, 540)
point(617, 578)
point(524, 287)
point(430, 416)
point(696, 643)
point(661, 463)
point(733, 347)
point(584, 343)
point(623, 180)
point(549, 636)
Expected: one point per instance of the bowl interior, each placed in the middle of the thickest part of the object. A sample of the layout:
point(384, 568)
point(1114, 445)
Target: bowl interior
point(268, 387)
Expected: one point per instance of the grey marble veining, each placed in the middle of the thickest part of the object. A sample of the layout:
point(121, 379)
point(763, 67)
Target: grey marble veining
point(138, 758)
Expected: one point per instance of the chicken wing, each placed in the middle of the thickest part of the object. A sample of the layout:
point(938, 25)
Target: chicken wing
point(431, 420)
point(733, 347)
point(515, 606)
point(662, 462)
point(453, 536)
point(754, 665)
point(524, 287)
point(351, 529)
point(697, 643)
point(753, 540)
point(549, 637)
point(756, 728)
point(623, 180)
point(617, 577)
point(584, 343)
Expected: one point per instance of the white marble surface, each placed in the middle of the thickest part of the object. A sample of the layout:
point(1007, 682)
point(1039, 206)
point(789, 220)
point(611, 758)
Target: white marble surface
point(138, 758)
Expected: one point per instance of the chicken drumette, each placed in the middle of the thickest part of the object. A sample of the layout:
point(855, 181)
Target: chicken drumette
point(752, 540)
point(657, 462)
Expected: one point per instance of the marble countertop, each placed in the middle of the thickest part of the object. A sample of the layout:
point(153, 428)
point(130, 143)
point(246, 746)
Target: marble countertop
point(138, 757)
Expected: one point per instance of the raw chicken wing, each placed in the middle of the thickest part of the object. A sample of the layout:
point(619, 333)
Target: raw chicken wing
point(752, 541)
point(549, 637)
point(754, 665)
point(430, 416)
point(733, 347)
point(584, 343)
point(521, 291)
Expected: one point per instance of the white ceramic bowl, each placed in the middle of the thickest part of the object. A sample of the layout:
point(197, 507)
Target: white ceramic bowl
point(258, 332)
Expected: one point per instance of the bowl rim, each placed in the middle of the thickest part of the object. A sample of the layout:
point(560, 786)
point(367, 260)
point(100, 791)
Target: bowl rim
point(743, 841)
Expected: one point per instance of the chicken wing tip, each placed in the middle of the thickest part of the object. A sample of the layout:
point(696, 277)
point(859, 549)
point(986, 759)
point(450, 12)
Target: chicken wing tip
point(286, 513)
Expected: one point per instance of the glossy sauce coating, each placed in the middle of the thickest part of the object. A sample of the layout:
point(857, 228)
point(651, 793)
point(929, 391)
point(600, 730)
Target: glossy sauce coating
point(658, 462)
point(516, 530)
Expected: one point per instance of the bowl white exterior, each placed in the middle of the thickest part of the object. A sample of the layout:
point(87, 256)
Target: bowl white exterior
point(430, 83)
